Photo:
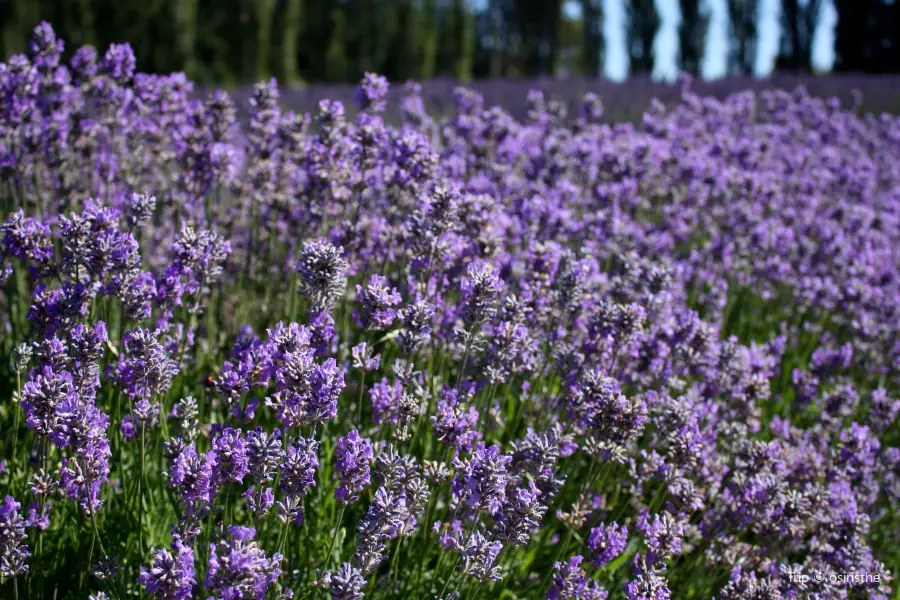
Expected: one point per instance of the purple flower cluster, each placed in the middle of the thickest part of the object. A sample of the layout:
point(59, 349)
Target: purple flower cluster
point(171, 577)
point(321, 270)
point(607, 542)
point(376, 304)
point(13, 549)
point(58, 400)
point(305, 391)
point(666, 351)
point(571, 583)
point(193, 475)
point(454, 424)
point(353, 457)
point(145, 369)
point(480, 481)
point(238, 568)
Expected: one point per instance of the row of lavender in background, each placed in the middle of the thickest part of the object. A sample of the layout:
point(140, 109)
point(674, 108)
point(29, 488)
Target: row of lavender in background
point(466, 356)
point(623, 101)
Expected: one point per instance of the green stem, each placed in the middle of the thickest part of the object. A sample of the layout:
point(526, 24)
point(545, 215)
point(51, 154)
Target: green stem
point(394, 569)
point(432, 503)
point(340, 518)
point(282, 537)
point(474, 593)
point(93, 515)
point(359, 402)
point(465, 363)
point(141, 493)
point(592, 478)
point(18, 410)
point(449, 579)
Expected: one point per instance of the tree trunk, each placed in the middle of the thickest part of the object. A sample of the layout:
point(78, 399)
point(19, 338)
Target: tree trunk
point(742, 16)
point(335, 57)
point(643, 24)
point(592, 37)
point(495, 67)
point(293, 29)
point(691, 36)
point(465, 41)
point(264, 13)
point(186, 27)
point(429, 40)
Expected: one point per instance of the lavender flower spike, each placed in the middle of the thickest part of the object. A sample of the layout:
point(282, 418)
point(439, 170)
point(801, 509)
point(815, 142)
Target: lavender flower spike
point(13, 550)
point(354, 455)
point(170, 577)
point(239, 568)
point(322, 272)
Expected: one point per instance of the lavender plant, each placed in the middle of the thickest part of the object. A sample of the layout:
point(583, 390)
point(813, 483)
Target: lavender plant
point(456, 356)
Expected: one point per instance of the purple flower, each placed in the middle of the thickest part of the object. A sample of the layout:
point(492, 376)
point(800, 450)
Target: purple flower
point(144, 370)
point(354, 455)
point(87, 346)
point(193, 476)
point(298, 471)
point(13, 549)
point(232, 463)
point(417, 321)
point(537, 455)
point(87, 467)
point(137, 294)
point(450, 535)
point(371, 93)
point(29, 240)
point(119, 62)
point(363, 359)
point(382, 523)
point(259, 503)
point(171, 577)
point(322, 338)
point(197, 262)
point(38, 517)
point(604, 411)
point(520, 516)
point(146, 415)
point(239, 568)
point(480, 481)
point(480, 290)
point(45, 48)
point(326, 384)
point(479, 555)
point(347, 583)
point(42, 397)
point(376, 301)
point(127, 427)
point(84, 62)
point(454, 424)
point(322, 273)
point(648, 583)
point(386, 399)
point(511, 351)
point(264, 453)
point(571, 583)
point(139, 209)
point(607, 542)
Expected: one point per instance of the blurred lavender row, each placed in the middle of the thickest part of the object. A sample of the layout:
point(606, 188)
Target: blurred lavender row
point(624, 101)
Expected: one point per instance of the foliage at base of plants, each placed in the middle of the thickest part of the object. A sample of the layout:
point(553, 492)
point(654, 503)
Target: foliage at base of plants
point(468, 357)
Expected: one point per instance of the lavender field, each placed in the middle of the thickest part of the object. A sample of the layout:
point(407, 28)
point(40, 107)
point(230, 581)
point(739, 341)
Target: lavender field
point(622, 101)
point(390, 348)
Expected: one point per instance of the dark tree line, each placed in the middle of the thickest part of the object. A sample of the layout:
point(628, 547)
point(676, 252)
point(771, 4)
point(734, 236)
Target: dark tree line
point(868, 36)
point(233, 41)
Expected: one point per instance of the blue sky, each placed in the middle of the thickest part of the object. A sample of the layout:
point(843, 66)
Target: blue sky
point(714, 62)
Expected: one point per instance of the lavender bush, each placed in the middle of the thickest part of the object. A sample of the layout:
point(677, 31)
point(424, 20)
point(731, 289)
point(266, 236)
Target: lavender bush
point(472, 356)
